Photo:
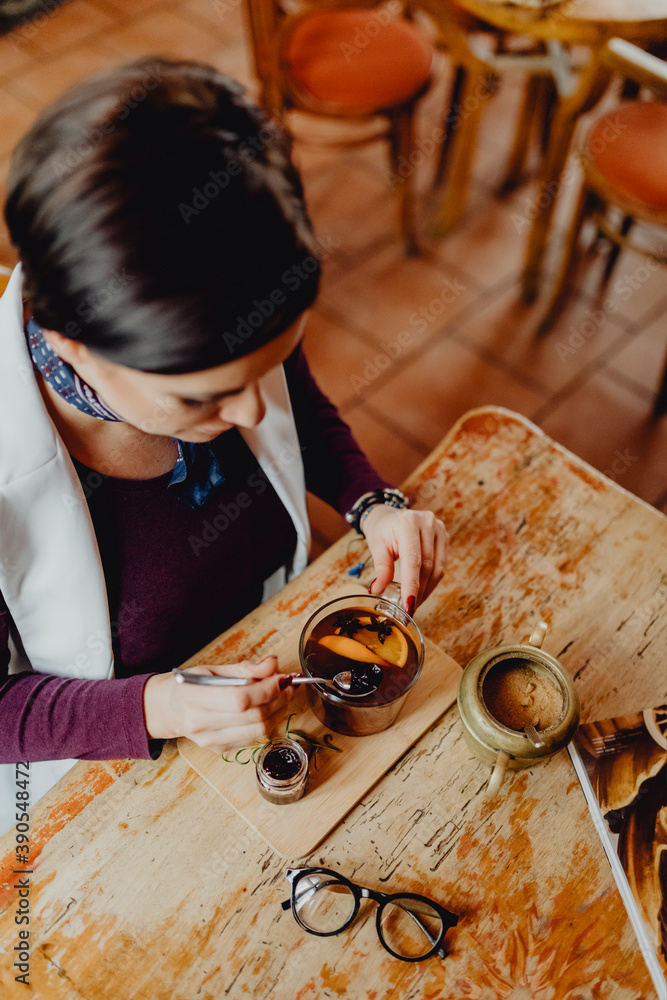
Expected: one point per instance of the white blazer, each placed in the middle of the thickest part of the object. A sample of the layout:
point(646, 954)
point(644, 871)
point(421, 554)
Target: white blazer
point(51, 574)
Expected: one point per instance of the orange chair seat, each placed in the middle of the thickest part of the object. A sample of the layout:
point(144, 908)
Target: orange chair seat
point(358, 60)
point(628, 148)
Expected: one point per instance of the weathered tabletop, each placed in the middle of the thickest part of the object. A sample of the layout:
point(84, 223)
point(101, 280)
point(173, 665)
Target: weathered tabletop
point(147, 886)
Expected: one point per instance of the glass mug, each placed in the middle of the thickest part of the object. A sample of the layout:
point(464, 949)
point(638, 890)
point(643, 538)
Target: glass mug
point(399, 639)
point(506, 689)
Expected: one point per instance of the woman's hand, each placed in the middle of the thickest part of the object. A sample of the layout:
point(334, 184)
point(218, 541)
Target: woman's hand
point(218, 717)
point(418, 538)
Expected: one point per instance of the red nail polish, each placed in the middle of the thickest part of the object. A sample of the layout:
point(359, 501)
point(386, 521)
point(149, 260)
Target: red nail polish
point(285, 681)
point(410, 605)
point(370, 588)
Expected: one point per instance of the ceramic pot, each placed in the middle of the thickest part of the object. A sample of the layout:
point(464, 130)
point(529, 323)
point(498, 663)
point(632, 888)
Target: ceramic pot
point(497, 744)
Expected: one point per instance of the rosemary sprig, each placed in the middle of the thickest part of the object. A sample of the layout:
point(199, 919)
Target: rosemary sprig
point(312, 745)
point(254, 747)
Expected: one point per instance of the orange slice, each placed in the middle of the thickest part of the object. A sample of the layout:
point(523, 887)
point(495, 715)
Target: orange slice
point(394, 648)
point(353, 650)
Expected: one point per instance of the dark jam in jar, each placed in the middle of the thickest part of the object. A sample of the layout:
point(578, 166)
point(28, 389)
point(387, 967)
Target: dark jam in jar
point(282, 763)
point(282, 771)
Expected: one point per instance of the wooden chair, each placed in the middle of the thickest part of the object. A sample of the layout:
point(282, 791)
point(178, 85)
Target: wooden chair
point(339, 59)
point(481, 55)
point(624, 159)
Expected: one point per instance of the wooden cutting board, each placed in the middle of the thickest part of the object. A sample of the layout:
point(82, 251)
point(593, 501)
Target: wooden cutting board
point(341, 779)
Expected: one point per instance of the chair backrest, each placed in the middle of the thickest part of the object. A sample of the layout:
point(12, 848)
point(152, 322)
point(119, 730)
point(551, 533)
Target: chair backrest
point(635, 64)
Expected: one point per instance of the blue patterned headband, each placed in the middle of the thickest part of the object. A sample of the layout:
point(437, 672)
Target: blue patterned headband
point(196, 472)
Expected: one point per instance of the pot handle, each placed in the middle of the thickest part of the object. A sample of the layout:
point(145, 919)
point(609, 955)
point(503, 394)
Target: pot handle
point(496, 779)
point(538, 634)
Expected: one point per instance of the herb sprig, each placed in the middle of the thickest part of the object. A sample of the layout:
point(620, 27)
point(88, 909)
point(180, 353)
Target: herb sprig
point(312, 745)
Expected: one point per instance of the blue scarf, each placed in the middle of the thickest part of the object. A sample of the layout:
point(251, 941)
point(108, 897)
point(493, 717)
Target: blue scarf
point(196, 472)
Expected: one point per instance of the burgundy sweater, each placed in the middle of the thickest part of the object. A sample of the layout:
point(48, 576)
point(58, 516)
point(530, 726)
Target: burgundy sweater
point(176, 578)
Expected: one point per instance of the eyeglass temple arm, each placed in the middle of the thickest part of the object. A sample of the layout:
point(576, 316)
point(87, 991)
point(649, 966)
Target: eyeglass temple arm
point(425, 931)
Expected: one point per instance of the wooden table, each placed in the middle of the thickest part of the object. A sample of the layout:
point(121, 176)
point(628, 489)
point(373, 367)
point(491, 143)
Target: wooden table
point(146, 886)
point(575, 23)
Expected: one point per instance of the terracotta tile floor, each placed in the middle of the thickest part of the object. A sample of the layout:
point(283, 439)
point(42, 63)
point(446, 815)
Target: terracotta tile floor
point(405, 346)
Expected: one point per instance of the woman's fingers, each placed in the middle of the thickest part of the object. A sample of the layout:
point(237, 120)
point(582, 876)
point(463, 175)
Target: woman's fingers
point(205, 713)
point(264, 668)
point(421, 542)
point(229, 736)
point(434, 540)
point(416, 537)
point(416, 550)
point(250, 704)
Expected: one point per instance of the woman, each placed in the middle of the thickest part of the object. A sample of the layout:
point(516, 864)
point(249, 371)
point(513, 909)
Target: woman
point(158, 422)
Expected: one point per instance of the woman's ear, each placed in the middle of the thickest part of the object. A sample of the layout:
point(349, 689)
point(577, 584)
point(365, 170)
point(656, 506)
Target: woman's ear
point(71, 351)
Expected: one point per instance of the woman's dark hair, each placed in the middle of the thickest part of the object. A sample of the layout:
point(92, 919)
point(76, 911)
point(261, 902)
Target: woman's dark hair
point(159, 219)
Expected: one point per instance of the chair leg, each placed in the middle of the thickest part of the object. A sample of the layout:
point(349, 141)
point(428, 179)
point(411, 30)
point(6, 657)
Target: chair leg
point(546, 114)
point(400, 147)
point(529, 111)
point(469, 110)
point(585, 205)
point(549, 182)
point(451, 125)
point(625, 228)
point(660, 404)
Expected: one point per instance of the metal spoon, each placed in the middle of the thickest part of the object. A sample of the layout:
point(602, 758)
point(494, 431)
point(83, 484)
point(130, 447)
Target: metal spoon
point(533, 735)
point(342, 681)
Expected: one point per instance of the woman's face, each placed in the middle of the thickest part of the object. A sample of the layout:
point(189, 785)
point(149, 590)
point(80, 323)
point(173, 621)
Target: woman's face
point(197, 406)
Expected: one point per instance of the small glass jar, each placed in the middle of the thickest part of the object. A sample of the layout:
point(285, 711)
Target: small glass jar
point(282, 771)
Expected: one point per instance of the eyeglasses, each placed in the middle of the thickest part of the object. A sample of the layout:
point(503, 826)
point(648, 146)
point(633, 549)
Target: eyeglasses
point(410, 927)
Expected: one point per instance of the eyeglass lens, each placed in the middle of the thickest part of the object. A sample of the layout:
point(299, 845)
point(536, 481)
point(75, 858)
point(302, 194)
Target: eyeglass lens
point(408, 927)
point(323, 904)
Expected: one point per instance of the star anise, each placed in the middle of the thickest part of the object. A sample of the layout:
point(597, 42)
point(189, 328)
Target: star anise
point(347, 624)
point(383, 629)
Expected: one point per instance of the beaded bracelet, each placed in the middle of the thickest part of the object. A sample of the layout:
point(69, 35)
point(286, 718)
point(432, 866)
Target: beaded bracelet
point(365, 503)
